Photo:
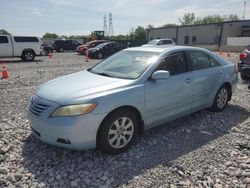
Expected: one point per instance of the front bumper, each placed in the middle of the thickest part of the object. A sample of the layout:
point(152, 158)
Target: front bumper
point(77, 132)
point(244, 68)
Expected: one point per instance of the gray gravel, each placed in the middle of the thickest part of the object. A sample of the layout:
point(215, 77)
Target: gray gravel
point(204, 149)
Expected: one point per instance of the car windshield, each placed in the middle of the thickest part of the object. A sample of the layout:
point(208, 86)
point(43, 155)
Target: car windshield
point(128, 64)
point(154, 42)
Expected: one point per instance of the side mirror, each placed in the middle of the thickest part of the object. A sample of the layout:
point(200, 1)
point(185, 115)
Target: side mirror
point(160, 75)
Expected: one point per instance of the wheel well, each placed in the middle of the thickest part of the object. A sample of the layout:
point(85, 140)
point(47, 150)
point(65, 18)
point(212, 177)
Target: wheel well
point(129, 108)
point(229, 87)
point(28, 50)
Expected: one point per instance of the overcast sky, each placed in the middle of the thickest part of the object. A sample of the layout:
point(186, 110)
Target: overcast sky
point(70, 17)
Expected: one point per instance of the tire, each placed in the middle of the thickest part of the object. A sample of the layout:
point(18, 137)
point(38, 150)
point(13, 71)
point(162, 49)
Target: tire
point(221, 99)
point(244, 77)
point(28, 56)
point(61, 50)
point(99, 55)
point(113, 136)
point(46, 52)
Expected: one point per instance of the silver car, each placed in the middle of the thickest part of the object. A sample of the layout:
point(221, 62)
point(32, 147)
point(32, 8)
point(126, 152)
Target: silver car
point(136, 89)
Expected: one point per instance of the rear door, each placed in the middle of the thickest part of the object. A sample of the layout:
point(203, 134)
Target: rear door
point(5, 46)
point(208, 77)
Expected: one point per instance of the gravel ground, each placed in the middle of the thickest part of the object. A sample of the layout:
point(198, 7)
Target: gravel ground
point(204, 149)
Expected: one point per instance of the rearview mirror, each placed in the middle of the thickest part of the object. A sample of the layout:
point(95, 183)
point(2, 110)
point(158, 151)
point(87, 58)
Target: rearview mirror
point(160, 75)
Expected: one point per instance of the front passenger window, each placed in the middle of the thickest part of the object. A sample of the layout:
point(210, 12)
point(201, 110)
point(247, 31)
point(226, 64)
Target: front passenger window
point(175, 64)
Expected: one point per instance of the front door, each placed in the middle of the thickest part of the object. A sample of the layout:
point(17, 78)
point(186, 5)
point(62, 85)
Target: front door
point(5, 47)
point(171, 98)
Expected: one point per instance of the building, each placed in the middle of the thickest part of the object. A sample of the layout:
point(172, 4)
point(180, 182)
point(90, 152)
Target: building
point(202, 34)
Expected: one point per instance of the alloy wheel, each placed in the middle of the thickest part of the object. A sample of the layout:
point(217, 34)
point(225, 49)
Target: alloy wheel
point(120, 132)
point(222, 98)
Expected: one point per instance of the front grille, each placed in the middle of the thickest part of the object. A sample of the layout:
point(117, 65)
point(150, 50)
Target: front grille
point(37, 107)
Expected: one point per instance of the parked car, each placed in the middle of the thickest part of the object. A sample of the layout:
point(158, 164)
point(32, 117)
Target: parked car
point(82, 48)
point(105, 49)
point(244, 64)
point(136, 89)
point(47, 49)
point(61, 45)
point(25, 47)
point(157, 42)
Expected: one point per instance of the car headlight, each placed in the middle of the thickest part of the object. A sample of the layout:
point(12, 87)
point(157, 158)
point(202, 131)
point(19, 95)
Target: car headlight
point(74, 110)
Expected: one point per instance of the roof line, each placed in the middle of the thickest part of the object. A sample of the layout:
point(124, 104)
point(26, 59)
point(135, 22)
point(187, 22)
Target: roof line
point(236, 21)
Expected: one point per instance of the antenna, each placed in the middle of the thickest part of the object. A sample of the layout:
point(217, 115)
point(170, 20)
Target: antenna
point(111, 30)
point(244, 11)
point(105, 25)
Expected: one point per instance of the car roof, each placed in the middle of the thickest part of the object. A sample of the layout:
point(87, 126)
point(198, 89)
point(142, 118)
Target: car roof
point(163, 48)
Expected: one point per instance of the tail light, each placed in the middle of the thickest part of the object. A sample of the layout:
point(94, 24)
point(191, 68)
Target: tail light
point(243, 56)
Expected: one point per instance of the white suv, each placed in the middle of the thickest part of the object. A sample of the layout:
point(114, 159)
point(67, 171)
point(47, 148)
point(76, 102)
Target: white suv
point(157, 42)
point(20, 46)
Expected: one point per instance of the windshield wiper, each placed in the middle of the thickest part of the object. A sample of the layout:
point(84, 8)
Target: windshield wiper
point(102, 74)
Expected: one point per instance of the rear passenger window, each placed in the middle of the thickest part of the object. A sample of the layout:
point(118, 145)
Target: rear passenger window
point(26, 39)
point(175, 64)
point(167, 42)
point(3, 39)
point(213, 62)
point(199, 60)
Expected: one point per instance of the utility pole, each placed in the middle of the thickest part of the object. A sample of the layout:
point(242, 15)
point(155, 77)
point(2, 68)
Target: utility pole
point(244, 10)
point(111, 29)
point(105, 25)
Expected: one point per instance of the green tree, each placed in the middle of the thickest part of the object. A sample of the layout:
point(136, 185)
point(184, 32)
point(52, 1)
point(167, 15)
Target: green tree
point(140, 33)
point(118, 37)
point(233, 17)
point(51, 35)
point(76, 37)
point(4, 32)
point(169, 25)
point(187, 19)
point(149, 26)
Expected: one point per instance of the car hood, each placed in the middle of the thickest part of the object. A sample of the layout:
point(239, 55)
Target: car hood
point(82, 84)
point(93, 49)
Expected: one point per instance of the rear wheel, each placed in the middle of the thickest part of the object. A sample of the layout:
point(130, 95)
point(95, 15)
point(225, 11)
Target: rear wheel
point(221, 99)
point(99, 55)
point(61, 50)
point(244, 77)
point(118, 132)
point(28, 56)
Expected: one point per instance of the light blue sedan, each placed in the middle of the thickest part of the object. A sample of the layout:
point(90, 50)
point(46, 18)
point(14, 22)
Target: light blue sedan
point(136, 89)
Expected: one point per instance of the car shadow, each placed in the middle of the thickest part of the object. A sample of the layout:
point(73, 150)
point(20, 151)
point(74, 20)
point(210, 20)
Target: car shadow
point(156, 147)
point(7, 61)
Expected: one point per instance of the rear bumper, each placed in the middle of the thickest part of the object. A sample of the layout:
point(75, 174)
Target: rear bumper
point(244, 68)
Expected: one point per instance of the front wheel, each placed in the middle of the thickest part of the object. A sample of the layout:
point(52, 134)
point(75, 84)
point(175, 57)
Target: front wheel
point(221, 99)
point(118, 132)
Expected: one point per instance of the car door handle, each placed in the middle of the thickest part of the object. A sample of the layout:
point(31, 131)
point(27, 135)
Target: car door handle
point(188, 80)
point(220, 72)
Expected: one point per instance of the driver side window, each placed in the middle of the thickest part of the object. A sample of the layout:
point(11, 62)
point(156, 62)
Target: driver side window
point(174, 63)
